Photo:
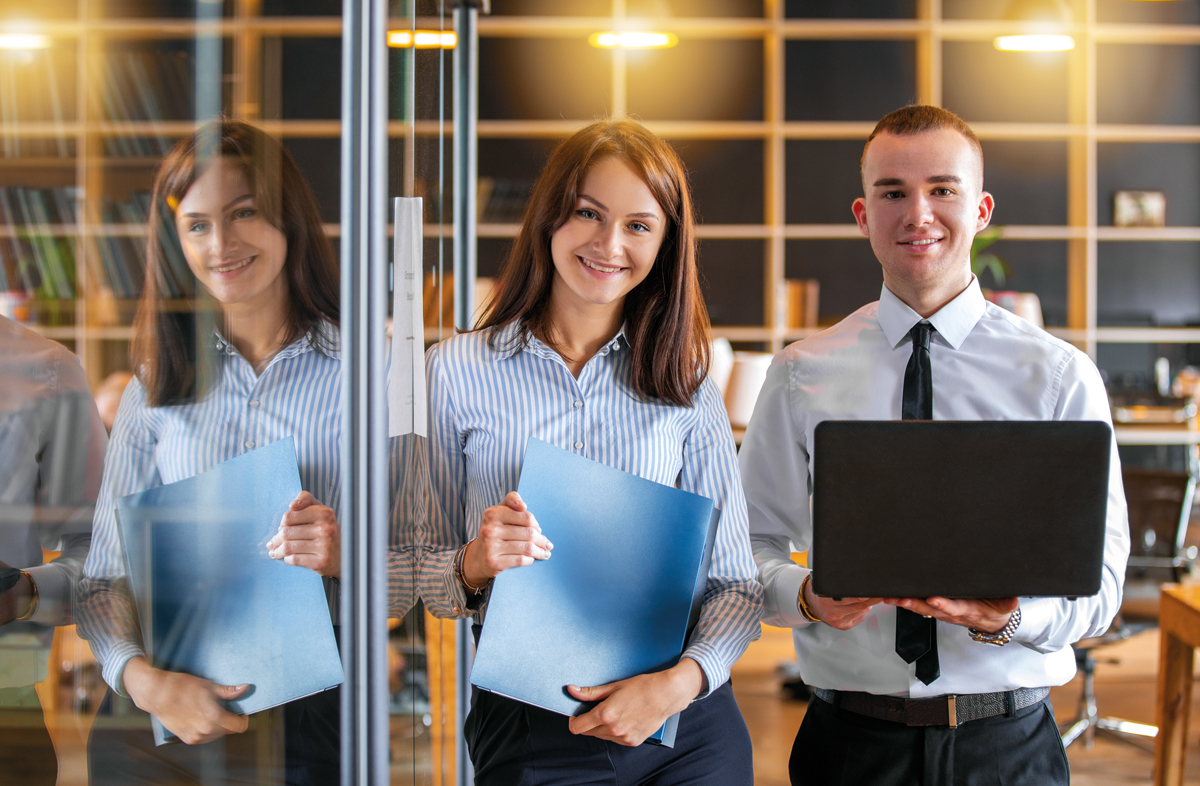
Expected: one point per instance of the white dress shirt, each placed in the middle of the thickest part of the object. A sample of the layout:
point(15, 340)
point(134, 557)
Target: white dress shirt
point(987, 365)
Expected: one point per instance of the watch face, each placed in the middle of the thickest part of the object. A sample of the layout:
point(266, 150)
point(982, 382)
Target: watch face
point(9, 578)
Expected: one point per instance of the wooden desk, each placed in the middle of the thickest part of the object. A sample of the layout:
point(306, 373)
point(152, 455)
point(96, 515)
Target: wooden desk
point(1179, 635)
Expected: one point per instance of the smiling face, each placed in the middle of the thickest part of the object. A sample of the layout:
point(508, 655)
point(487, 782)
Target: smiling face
point(609, 243)
point(230, 246)
point(924, 203)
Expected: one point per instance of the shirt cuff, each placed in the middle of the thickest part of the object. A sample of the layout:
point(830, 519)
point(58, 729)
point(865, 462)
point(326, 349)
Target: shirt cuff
point(786, 592)
point(455, 591)
point(1036, 615)
point(713, 666)
point(114, 668)
point(53, 608)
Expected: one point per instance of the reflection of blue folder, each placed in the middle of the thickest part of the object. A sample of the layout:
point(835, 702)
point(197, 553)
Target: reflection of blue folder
point(210, 601)
point(617, 598)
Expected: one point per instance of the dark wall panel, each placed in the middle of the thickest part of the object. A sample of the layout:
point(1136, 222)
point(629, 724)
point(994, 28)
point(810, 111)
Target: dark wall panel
point(848, 80)
point(1171, 168)
point(980, 82)
point(850, 275)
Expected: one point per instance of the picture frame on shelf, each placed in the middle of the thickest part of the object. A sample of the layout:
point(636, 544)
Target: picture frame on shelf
point(1140, 209)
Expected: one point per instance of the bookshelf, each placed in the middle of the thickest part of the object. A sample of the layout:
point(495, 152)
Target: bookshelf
point(935, 37)
point(84, 124)
point(109, 156)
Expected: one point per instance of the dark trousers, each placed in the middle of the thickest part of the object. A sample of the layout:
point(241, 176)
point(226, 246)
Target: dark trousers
point(839, 747)
point(121, 750)
point(515, 744)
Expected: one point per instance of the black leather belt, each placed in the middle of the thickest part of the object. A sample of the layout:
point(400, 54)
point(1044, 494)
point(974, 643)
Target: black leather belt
point(939, 711)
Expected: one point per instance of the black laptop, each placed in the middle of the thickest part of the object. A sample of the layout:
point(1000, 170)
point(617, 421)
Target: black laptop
point(965, 509)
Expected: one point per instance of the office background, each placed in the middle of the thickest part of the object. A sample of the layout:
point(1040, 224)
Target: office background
point(768, 102)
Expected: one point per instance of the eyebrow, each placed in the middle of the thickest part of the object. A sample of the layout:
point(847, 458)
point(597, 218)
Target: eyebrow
point(600, 205)
point(231, 203)
point(895, 181)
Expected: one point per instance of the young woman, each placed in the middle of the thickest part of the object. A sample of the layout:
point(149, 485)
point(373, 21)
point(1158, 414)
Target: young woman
point(255, 362)
point(597, 341)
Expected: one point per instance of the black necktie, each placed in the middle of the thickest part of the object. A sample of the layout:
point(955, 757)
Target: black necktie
point(916, 636)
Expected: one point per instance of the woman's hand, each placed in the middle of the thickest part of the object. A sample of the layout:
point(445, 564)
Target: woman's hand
point(189, 707)
point(633, 709)
point(509, 537)
point(309, 536)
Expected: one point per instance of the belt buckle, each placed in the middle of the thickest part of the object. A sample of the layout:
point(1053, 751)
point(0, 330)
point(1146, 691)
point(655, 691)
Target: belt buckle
point(951, 712)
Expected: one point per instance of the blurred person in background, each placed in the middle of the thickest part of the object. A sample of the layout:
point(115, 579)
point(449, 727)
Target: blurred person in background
point(108, 396)
point(51, 453)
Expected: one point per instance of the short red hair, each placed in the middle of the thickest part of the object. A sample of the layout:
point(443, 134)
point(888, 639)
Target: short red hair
point(918, 118)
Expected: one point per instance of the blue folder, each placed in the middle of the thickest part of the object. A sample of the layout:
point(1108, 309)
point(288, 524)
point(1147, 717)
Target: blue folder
point(618, 597)
point(210, 601)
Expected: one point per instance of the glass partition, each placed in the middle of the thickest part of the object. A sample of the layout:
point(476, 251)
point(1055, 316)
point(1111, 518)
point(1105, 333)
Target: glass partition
point(173, 474)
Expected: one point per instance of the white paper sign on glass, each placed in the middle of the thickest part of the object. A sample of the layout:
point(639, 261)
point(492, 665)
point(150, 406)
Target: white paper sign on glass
point(406, 382)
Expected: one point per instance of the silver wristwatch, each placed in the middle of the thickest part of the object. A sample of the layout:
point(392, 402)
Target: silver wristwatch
point(1006, 633)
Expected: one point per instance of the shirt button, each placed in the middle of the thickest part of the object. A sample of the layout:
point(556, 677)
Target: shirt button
point(254, 402)
point(250, 444)
point(578, 445)
point(457, 610)
point(578, 404)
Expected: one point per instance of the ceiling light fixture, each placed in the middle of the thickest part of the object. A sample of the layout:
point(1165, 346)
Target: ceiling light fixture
point(24, 41)
point(422, 39)
point(1034, 43)
point(1041, 27)
point(633, 40)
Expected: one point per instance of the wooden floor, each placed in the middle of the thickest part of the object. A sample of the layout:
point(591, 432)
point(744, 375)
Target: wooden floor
point(1125, 682)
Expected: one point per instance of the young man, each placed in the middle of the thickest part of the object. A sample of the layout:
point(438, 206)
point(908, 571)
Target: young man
point(880, 717)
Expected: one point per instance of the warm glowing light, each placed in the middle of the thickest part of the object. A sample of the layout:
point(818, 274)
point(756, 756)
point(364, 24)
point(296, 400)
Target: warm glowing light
point(633, 40)
point(24, 41)
point(1034, 43)
point(423, 39)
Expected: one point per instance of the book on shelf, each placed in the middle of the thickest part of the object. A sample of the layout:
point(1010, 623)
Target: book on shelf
point(501, 201)
point(37, 254)
point(144, 86)
point(799, 301)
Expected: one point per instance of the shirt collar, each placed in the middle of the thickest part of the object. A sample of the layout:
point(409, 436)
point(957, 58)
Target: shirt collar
point(509, 343)
point(953, 322)
point(323, 335)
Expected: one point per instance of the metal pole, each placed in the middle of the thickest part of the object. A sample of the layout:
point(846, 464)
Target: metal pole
point(466, 154)
point(364, 436)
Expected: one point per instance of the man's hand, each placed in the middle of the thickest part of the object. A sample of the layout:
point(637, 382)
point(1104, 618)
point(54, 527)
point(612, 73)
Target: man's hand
point(842, 614)
point(15, 602)
point(631, 710)
point(189, 707)
point(509, 537)
point(986, 615)
point(309, 536)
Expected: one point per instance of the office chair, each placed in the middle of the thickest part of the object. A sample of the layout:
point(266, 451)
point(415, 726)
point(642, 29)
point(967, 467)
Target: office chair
point(1160, 505)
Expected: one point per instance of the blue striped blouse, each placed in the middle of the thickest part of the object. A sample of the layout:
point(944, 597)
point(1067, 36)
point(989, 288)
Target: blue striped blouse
point(298, 395)
point(484, 405)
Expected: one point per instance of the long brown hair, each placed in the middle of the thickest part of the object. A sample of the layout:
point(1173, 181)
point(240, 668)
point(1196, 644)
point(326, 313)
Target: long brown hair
point(166, 345)
point(666, 323)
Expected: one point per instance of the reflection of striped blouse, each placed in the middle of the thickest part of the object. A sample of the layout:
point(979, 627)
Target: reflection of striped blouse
point(484, 406)
point(298, 395)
